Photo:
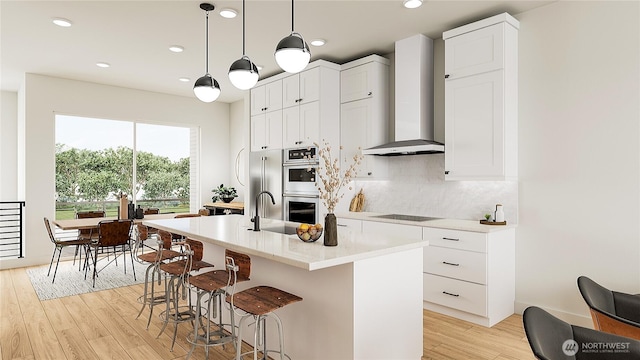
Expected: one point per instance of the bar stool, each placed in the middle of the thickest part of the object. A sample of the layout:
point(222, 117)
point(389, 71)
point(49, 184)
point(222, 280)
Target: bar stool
point(179, 272)
point(216, 284)
point(154, 259)
point(259, 303)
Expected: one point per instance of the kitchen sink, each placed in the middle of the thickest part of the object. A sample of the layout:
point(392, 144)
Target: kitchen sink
point(281, 229)
point(405, 217)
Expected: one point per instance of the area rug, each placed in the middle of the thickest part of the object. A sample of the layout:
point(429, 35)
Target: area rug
point(70, 281)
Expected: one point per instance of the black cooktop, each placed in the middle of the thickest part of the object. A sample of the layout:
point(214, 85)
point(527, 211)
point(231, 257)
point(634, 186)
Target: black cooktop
point(405, 217)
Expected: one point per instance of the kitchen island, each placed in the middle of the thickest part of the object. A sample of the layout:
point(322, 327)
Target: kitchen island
point(362, 298)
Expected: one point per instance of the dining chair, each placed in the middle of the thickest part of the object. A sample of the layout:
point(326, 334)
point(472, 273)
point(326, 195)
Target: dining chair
point(611, 311)
point(114, 235)
point(89, 233)
point(61, 243)
point(551, 338)
point(151, 211)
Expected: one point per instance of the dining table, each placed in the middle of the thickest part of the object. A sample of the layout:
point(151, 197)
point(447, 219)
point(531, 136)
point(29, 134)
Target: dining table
point(93, 223)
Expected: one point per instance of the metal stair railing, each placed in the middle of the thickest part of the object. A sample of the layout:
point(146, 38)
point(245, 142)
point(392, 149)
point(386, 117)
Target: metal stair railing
point(11, 225)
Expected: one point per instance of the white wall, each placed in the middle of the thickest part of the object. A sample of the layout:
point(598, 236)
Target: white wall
point(579, 158)
point(43, 97)
point(238, 152)
point(8, 146)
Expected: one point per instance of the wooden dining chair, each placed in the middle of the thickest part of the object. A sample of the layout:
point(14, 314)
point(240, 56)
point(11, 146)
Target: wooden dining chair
point(89, 233)
point(61, 243)
point(115, 236)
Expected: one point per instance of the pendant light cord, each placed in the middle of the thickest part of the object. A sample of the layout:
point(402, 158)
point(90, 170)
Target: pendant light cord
point(243, 53)
point(292, 15)
point(206, 37)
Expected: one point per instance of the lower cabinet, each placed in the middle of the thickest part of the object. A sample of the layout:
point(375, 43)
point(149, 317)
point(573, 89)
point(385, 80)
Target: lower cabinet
point(469, 275)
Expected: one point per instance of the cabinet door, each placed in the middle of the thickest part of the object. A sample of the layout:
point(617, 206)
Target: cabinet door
point(273, 96)
point(356, 83)
point(258, 100)
point(309, 123)
point(290, 127)
point(359, 130)
point(309, 86)
point(258, 132)
point(273, 129)
point(474, 127)
point(291, 91)
point(475, 52)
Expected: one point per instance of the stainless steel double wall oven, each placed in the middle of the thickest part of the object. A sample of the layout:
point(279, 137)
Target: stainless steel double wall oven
point(300, 195)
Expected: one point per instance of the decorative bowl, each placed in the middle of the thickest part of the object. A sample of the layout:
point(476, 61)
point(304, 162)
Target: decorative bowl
point(228, 199)
point(309, 233)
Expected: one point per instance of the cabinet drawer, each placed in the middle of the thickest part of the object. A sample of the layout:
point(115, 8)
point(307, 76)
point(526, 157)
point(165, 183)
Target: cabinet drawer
point(351, 224)
point(458, 264)
point(455, 294)
point(456, 239)
point(389, 229)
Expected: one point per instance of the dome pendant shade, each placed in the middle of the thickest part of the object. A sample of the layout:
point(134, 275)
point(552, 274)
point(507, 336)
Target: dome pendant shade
point(292, 53)
point(243, 73)
point(206, 89)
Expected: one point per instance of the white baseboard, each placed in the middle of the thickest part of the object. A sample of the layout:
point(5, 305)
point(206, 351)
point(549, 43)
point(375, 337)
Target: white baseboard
point(571, 318)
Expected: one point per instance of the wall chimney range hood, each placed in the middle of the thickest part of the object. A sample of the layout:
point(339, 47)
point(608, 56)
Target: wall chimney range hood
point(413, 100)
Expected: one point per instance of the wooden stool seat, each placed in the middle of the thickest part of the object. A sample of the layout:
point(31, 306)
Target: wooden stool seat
point(210, 281)
point(177, 267)
point(152, 256)
point(261, 300)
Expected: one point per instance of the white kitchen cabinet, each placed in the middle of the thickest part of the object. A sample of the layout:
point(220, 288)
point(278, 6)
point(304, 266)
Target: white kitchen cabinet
point(350, 224)
point(266, 131)
point(470, 275)
point(364, 113)
point(266, 98)
point(301, 125)
point(301, 88)
point(481, 100)
point(306, 106)
point(390, 229)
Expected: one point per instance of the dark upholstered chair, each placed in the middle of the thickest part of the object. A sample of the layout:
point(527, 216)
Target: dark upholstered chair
point(89, 233)
point(611, 311)
point(553, 339)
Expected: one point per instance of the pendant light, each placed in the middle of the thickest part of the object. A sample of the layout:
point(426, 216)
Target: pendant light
point(207, 88)
point(243, 73)
point(292, 52)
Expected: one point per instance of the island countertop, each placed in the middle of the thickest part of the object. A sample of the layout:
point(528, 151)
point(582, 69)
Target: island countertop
point(233, 232)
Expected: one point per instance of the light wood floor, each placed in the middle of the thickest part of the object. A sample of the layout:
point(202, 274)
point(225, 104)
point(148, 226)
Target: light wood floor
point(102, 325)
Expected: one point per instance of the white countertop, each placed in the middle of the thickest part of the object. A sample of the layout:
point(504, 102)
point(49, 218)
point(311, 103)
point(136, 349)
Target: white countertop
point(231, 232)
point(452, 224)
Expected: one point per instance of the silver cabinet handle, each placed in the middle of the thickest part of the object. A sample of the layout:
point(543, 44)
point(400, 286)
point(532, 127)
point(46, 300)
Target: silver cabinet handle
point(450, 294)
point(342, 225)
point(448, 263)
point(450, 239)
point(369, 93)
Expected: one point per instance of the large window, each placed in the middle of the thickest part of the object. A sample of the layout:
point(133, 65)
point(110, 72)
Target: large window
point(95, 163)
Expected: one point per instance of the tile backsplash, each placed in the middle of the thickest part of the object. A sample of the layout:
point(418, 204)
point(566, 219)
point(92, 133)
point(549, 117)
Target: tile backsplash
point(415, 186)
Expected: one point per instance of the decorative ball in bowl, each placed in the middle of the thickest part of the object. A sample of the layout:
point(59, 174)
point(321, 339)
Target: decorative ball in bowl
point(309, 233)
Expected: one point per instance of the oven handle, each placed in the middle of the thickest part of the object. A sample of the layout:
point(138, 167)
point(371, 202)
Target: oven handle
point(301, 195)
point(300, 164)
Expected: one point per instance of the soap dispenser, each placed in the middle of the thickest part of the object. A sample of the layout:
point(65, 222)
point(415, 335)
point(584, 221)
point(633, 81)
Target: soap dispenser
point(498, 216)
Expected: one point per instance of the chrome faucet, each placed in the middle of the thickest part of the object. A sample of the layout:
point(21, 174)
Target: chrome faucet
point(256, 218)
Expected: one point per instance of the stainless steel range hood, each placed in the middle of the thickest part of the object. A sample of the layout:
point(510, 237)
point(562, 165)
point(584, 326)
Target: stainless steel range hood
point(413, 100)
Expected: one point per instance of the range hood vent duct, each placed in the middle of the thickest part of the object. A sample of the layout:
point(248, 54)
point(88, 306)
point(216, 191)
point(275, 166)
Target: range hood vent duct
point(413, 100)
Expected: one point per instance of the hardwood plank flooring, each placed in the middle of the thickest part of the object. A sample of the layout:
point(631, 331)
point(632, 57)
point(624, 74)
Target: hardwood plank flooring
point(103, 325)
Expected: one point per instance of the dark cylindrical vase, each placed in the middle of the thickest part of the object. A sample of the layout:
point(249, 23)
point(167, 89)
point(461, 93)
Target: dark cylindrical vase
point(330, 230)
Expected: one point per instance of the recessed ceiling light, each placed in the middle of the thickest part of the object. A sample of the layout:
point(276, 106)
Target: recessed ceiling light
point(318, 42)
point(412, 4)
point(62, 22)
point(228, 13)
point(184, 79)
point(176, 48)
point(103, 64)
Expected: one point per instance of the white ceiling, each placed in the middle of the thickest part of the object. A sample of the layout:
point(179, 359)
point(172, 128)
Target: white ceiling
point(134, 36)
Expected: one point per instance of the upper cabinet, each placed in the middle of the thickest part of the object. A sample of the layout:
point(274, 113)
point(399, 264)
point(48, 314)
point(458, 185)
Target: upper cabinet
point(481, 100)
point(266, 98)
point(364, 112)
point(307, 109)
point(301, 88)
